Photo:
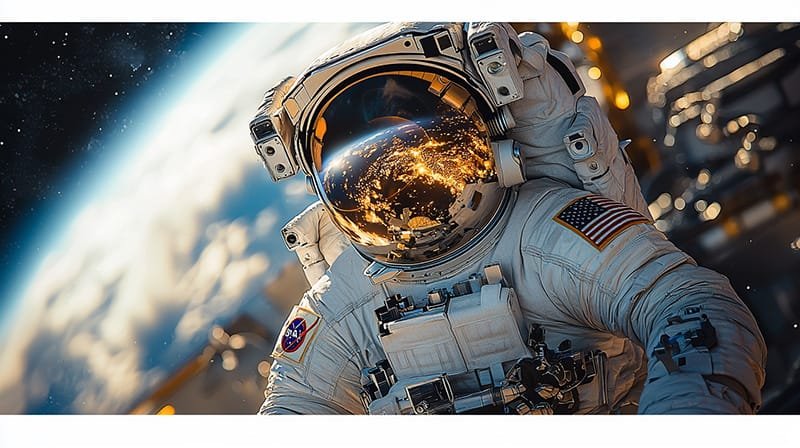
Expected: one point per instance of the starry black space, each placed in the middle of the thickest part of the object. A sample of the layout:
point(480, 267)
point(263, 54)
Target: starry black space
point(67, 90)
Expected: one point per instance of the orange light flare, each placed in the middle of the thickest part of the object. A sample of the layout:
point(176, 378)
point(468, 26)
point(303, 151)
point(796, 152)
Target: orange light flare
point(432, 163)
point(569, 27)
point(621, 100)
point(166, 410)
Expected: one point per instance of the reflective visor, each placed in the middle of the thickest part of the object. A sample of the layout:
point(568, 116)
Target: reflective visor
point(394, 156)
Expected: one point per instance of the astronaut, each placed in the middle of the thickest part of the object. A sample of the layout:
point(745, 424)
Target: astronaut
point(481, 243)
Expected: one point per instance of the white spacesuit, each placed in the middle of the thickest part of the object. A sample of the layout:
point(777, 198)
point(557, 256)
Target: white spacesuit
point(477, 212)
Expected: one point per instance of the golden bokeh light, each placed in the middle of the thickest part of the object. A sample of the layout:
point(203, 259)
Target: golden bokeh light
point(701, 205)
point(166, 410)
point(711, 212)
point(594, 43)
point(704, 177)
point(621, 100)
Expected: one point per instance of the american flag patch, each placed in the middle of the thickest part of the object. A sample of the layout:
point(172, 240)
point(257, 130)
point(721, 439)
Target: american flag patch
point(598, 219)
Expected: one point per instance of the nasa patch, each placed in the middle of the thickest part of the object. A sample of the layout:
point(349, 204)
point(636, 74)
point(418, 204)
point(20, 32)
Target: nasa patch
point(297, 334)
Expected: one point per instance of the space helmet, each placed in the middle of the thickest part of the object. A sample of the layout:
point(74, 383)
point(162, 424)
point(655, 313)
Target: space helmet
point(395, 132)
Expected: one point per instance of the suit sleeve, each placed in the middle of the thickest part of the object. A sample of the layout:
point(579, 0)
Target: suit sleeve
point(319, 374)
point(640, 286)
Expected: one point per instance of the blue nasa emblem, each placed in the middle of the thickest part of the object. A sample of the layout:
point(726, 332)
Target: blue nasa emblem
point(295, 334)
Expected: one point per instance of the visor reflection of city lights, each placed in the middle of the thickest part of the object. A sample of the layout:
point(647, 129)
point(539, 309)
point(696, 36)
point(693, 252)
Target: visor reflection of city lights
point(595, 73)
point(393, 187)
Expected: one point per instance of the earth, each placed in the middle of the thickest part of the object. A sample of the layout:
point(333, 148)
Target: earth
point(179, 236)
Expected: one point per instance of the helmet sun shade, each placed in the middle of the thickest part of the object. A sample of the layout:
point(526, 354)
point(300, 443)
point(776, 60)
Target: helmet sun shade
point(404, 164)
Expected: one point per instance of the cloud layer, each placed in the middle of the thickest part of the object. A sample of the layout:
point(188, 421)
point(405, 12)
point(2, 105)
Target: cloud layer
point(176, 240)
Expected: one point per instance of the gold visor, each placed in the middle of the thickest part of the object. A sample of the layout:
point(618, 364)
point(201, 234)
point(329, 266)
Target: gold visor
point(398, 157)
